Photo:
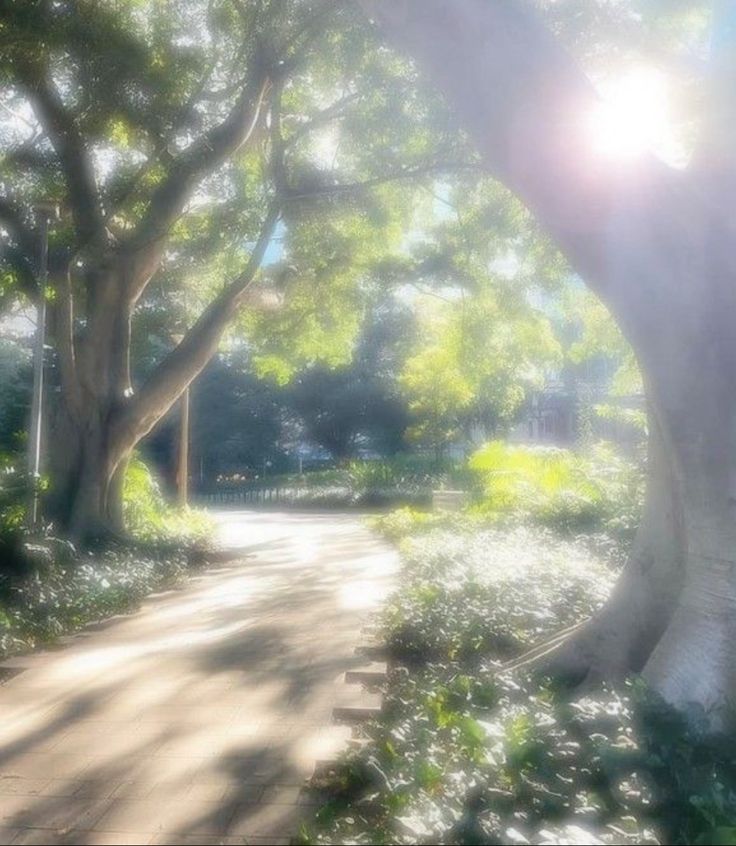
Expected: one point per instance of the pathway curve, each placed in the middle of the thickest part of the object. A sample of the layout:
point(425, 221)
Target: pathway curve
point(196, 719)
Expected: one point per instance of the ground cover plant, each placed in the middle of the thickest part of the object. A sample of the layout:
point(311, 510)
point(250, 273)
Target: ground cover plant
point(471, 750)
point(48, 588)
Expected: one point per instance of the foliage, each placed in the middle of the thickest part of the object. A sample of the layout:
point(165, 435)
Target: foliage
point(405, 468)
point(357, 406)
point(401, 523)
point(467, 753)
point(598, 337)
point(150, 518)
point(47, 588)
point(479, 358)
point(463, 585)
point(596, 490)
point(14, 490)
point(61, 592)
point(15, 378)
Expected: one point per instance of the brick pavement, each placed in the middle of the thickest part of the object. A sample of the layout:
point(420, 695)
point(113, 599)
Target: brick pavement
point(197, 719)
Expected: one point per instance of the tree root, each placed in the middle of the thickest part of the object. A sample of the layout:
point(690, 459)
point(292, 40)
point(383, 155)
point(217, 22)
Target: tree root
point(537, 655)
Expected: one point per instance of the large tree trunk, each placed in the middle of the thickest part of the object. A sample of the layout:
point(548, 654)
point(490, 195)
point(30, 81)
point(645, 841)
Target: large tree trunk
point(101, 419)
point(621, 637)
point(672, 614)
point(694, 663)
point(87, 456)
point(87, 472)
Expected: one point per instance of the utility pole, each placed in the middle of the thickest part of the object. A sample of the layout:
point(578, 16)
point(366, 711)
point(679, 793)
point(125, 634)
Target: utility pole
point(45, 212)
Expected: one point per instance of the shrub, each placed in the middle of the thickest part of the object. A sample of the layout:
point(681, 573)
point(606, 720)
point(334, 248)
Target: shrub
point(402, 522)
point(62, 592)
point(15, 490)
point(465, 593)
point(404, 480)
point(150, 518)
point(47, 588)
point(595, 491)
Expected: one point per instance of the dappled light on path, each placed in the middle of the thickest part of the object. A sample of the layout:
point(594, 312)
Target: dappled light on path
point(201, 715)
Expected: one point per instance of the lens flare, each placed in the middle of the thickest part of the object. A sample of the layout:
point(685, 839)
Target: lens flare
point(632, 116)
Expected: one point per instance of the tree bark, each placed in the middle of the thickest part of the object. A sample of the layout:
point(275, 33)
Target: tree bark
point(694, 662)
point(622, 636)
point(101, 419)
point(86, 501)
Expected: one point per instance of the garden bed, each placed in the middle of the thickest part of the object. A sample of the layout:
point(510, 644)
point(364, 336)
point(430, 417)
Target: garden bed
point(66, 592)
point(467, 753)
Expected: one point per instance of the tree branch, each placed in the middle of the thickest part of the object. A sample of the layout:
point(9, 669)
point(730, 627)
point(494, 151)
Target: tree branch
point(278, 147)
point(404, 173)
point(199, 159)
point(336, 110)
point(19, 253)
point(70, 148)
point(525, 102)
point(188, 359)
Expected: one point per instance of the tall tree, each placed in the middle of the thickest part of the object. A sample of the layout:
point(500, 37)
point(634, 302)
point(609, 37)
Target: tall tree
point(359, 404)
point(480, 356)
point(657, 245)
point(180, 139)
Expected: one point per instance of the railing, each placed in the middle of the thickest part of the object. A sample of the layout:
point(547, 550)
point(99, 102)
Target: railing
point(265, 494)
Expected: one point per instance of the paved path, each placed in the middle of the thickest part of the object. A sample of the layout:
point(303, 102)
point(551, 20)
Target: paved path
point(196, 719)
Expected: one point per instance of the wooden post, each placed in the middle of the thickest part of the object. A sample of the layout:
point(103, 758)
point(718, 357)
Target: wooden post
point(182, 474)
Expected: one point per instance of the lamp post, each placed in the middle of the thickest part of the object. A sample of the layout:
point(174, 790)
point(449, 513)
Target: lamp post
point(45, 212)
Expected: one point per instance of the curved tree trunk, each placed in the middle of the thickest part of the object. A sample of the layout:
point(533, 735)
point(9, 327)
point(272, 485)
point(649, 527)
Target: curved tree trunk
point(694, 663)
point(657, 246)
point(621, 637)
point(672, 614)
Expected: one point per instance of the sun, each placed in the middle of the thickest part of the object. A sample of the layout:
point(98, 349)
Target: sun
point(633, 116)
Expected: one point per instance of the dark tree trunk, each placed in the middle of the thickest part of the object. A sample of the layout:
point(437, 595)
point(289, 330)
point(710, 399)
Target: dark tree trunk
point(87, 473)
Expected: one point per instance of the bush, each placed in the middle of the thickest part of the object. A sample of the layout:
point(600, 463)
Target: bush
point(401, 522)
point(465, 593)
point(595, 491)
point(150, 518)
point(403, 480)
point(15, 491)
point(47, 588)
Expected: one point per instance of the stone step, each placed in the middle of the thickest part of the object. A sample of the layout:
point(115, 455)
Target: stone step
point(354, 705)
point(325, 745)
point(371, 673)
point(372, 651)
